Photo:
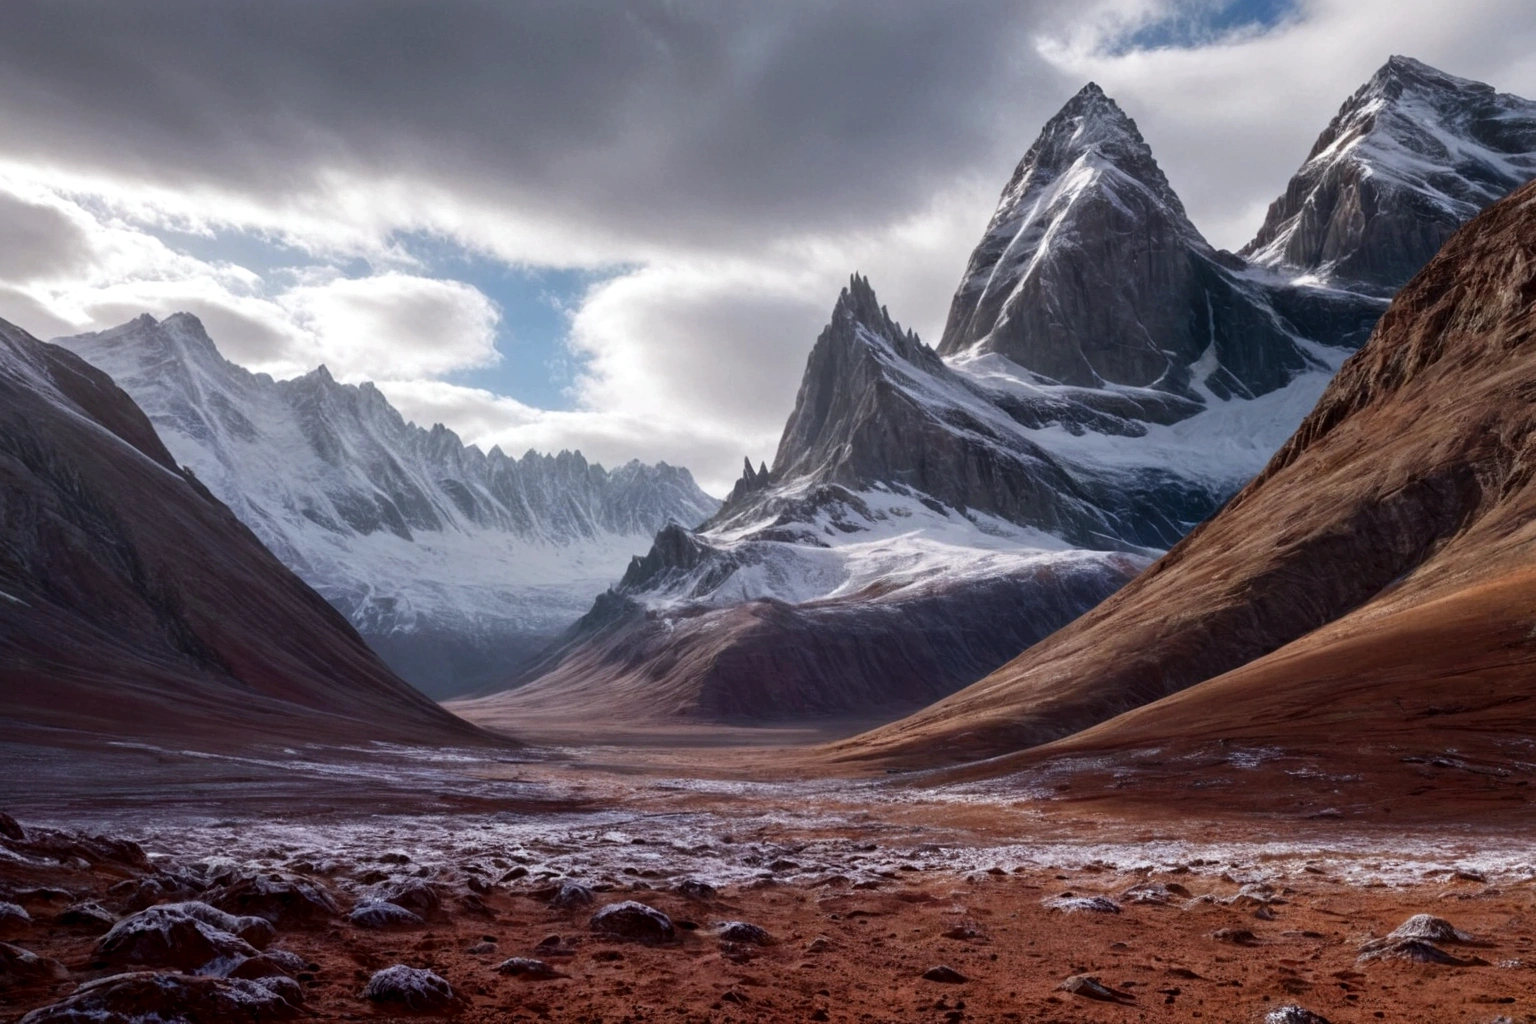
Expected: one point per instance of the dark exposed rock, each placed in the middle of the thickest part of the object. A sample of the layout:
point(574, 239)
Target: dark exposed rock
point(1070, 904)
point(413, 988)
point(745, 932)
point(1416, 951)
point(151, 996)
point(10, 828)
point(372, 913)
point(945, 975)
point(286, 902)
point(185, 936)
point(13, 917)
point(22, 967)
point(419, 897)
point(88, 916)
point(634, 921)
point(1236, 936)
point(1090, 987)
point(528, 969)
point(694, 889)
point(571, 894)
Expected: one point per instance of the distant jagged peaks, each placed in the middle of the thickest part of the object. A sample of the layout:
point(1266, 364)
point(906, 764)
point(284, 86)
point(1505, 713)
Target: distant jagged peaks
point(1091, 274)
point(1412, 155)
point(453, 561)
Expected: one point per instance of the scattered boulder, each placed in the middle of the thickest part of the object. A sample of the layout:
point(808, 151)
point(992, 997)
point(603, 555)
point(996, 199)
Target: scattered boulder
point(153, 996)
point(1293, 1014)
point(514, 874)
point(268, 964)
point(11, 829)
point(553, 945)
point(820, 944)
point(741, 931)
point(1070, 904)
point(371, 913)
point(413, 988)
point(571, 894)
point(944, 975)
point(1090, 987)
point(1415, 951)
point(419, 897)
point(634, 921)
point(22, 967)
point(87, 916)
point(528, 969)
point(1236, 936)
point(1154, 893)
point(1434, 929)
point(138, 893)
point(286, 902)
point(186, 936)
point(13, 917)
point(693, 889)
point(1254, 894)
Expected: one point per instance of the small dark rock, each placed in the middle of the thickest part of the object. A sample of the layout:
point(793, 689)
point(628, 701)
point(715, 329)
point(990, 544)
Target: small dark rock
point(694, 889)
point(1293, 1014)
point(286, 902)
point(88, 916)
point(420, 898)
point(528, 969)
point(1239, 936)
point(185, 936)
point(633, 921)
point(371, 913)
point(1090, 987)
point(570, 894)
point(945, 975)
point(11, 829)
point(19, 967)
point(741, 931)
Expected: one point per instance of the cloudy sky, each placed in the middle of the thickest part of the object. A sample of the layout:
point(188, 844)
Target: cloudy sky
point(617, 226)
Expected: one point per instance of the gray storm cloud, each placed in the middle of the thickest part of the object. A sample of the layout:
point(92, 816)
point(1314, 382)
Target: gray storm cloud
point(699, 120)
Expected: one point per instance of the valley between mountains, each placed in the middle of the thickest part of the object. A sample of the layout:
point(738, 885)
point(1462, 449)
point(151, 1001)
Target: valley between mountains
point(1156, 645)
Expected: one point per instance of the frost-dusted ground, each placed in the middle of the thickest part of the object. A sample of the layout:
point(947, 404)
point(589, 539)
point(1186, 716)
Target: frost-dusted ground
point(864, 885)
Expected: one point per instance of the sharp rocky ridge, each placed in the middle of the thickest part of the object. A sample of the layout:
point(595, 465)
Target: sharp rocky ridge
point(455, 564)
point(1409, 158)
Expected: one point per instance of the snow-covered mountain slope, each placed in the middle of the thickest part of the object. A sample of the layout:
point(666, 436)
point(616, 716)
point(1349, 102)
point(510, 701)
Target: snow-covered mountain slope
point(1410, 157)
point(133, 605)
point(1106, 381)
point(455, 564)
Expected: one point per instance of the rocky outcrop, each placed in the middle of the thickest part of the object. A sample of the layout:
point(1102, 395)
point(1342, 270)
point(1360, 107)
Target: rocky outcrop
point(455, 564)
point(1322, 601)
point(134, 604)
point(1410, 157)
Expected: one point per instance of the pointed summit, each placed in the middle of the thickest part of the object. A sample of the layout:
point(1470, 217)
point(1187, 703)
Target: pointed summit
point(1412, 155)
point(1090, 272)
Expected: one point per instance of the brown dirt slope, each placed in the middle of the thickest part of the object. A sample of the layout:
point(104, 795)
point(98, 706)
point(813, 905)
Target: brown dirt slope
point(134, 604)
point(1393, 532)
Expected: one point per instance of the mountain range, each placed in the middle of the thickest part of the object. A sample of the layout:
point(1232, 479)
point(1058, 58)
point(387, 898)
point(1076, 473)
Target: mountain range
point(1106, 381)
point(456, 565)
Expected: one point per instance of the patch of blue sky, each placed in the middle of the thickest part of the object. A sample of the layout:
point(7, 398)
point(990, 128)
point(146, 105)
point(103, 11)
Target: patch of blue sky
point(1185, 24)
point(536, 364)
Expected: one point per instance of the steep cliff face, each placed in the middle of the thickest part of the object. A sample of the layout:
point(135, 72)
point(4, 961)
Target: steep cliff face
point(1410, 157)
point(455, 564)
point(1401, 504)
point(134, 604)
point(1091, 274)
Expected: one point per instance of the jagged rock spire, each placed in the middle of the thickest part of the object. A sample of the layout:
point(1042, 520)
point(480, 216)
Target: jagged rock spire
point(1411, 156)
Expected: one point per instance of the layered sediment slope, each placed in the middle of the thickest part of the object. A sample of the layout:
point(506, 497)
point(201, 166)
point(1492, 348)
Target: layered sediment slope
point(1375, 583)
point(133, 604)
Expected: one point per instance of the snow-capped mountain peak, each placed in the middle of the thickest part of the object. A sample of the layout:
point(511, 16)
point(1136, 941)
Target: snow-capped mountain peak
point(1412, 155)
point(453, 562)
